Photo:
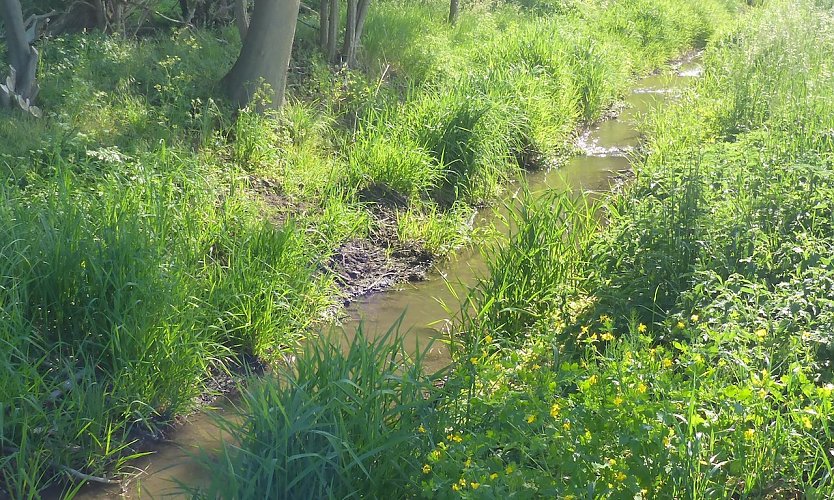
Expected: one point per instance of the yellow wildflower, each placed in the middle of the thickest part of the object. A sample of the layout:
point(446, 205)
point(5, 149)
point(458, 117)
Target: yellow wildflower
point(456, 487)
point(642, 328)
point(612, 462)
point(426, 468)
point(620, 476)
point(536, 366)
point(618, 400)
point(694, 318)
point(667, 363)
point(474, 485)
point(680, 325)
point(584, 329)
point(761, 333)
point(641, 388)
point(806, 422)
point(468, 462)
point(493, 476)
point(592, 379)
point(554, 410)
point(421, 429)
point(488, 339)
point(604, 318)
point(749, 433)
point(462, 482)
point(607, 337)
point(531, 419)
point(566, 425)
point(456, 438)
point(510, 469)
point(473, 360)
point(667, 441)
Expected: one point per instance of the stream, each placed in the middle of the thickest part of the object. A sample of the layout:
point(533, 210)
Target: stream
point(603, 162)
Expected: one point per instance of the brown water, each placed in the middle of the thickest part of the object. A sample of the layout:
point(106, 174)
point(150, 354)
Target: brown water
point(604, 160)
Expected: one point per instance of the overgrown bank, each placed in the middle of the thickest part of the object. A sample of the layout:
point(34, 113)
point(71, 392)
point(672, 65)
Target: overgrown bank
point(148, 238)
point(682, 349)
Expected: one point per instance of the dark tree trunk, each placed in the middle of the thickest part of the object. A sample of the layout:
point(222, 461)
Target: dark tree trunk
point(324, 20)
point(453, 11)
point(350, 32)
point(333, 30)
point(241, 18)
point(184, 9)
point(265, 55)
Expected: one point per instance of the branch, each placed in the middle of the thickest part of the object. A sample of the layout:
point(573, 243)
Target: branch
point(86, 477)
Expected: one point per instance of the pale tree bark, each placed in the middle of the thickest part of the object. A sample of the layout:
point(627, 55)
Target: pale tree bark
point(242, 18)
point(20, 88)
point(265, 55)
point(454, 6)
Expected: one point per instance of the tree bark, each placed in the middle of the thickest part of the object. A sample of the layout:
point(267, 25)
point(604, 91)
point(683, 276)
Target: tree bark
point(22, 57)
point(350, 32)
point(454, 6)
point(265, 55)
point(241, 18)
point(360, 23)
point(333, 30)
point(324, 20)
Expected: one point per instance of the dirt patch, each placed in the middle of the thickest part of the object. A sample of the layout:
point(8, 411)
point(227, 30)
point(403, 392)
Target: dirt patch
point(379, 262)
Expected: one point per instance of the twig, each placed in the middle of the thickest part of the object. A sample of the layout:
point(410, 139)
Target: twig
point(87, 477)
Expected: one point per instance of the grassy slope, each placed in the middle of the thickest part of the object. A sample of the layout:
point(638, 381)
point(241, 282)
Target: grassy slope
point(683, 350)
point(499, 86)
point(138, 251)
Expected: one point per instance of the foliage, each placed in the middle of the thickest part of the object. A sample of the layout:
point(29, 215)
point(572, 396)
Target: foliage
point(148, 238)
point(338, 421)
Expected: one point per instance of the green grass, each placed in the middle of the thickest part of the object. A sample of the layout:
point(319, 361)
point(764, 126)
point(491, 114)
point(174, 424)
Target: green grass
point(148, 237)
point(339, 421)
point(673, 341)
point(695, 358)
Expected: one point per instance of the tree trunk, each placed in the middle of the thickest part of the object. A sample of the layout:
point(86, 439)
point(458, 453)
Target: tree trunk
point(265, 55)
point(184, 9)
point(333, 30)
point(241, 18)
point(324, 20)
point(360, 23)
point(350, 32)
point(453, 11)
point(19, 87)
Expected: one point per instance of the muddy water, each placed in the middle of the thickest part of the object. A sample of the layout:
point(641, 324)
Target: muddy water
point(604, 161)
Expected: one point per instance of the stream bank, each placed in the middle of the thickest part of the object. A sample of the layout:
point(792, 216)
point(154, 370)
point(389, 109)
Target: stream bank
point(603, 165)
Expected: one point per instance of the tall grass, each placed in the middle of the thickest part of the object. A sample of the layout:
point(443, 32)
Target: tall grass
point(336, 422)
point(148, 238)
point(695, 360)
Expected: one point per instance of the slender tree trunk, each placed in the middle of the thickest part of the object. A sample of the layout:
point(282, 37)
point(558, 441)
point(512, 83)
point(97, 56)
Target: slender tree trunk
point(453, 11)
point(360, 22)
point(350, 32)
point(324, 21)
point(241, 18)
point(265, 55)
point(22, 57)
point(333, 30)
point(184, 9)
